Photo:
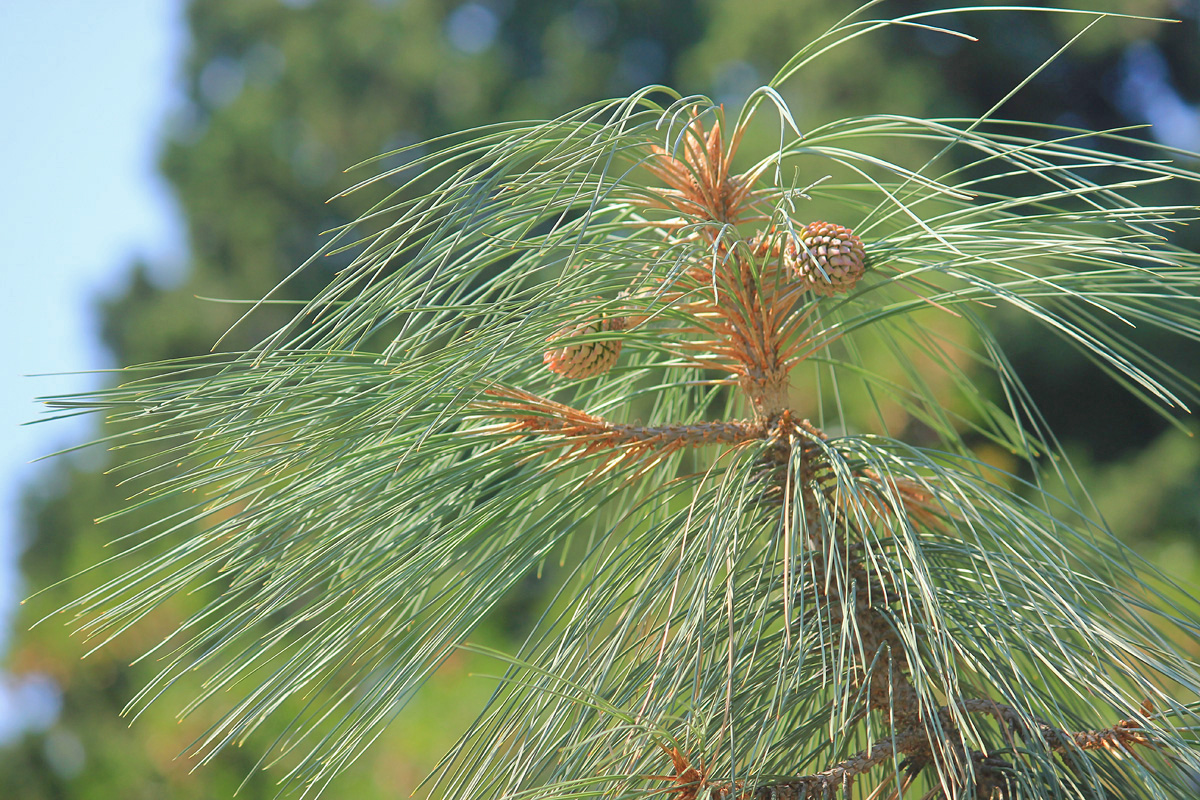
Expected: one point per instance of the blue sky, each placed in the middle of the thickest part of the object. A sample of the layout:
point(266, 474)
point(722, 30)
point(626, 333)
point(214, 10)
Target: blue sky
point(86, 88)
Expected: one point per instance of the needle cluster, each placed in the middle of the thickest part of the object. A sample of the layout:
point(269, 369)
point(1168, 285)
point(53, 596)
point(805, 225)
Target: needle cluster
point(614, 352)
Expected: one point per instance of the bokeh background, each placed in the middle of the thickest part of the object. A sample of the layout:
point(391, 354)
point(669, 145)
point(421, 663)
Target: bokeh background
point(157, 152)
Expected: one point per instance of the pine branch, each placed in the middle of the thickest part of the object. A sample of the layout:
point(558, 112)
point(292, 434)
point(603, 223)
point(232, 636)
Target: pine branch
point(989, 773)
point(371, 481)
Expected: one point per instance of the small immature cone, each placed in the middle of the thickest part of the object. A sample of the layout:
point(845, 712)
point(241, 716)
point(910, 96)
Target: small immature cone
point(577, 360)
point(828, 258)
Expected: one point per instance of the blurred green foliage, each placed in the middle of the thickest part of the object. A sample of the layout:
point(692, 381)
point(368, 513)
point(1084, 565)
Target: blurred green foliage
point(280, 97)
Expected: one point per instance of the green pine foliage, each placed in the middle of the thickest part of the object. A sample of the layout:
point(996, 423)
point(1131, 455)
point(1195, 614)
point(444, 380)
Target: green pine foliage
point(761, 586)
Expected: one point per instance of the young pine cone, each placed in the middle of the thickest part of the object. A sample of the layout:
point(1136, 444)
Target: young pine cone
point(828, 258)
point(577, 360)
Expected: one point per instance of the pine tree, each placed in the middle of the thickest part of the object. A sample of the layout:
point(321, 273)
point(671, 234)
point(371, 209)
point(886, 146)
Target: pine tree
point(614, 350)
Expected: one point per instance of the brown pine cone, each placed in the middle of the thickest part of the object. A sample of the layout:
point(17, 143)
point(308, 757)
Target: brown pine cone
point(828, 258)
point(580, 360)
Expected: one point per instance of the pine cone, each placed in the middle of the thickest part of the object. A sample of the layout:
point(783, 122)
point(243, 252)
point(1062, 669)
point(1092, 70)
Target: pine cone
point(584, 359)
point(828, 258)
